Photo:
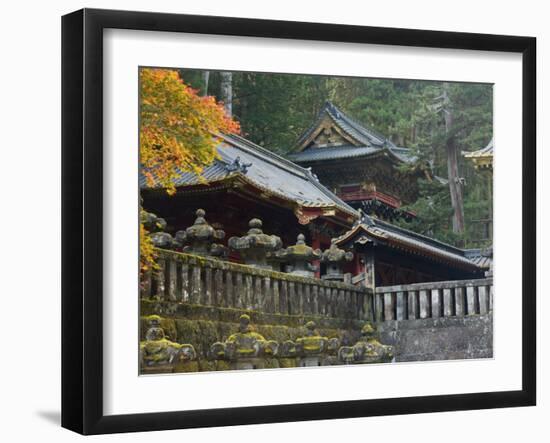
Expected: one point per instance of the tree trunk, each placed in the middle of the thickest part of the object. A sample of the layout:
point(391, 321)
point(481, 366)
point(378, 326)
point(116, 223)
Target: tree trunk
point(227, 92)
point(205, 79)
point(455, 183)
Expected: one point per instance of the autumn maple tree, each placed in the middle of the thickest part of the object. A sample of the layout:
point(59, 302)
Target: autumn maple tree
point(179, 132)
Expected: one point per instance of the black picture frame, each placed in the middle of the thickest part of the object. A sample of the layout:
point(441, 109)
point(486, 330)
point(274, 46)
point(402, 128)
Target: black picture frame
point(82, 218)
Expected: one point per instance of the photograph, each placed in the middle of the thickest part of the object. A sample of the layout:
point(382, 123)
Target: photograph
point(275, 221)
point(292, 220)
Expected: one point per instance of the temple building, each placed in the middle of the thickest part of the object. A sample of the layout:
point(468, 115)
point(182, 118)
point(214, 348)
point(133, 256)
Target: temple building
point(388, 255)
point(364, 168)
point(265, 262)
point(249, 182)
point(246, 182)
point(483, 161)
point(482, 158)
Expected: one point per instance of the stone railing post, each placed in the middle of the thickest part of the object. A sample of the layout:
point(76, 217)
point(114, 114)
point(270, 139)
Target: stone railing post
point(459, 301)
point(161, 279)
point(208, 284)
point(196, 284)
point(283, 298)
point(229, 300)
point(401, 306)
point(412, 304)
point(447, 303)
point(185, 282)
point(172, 279)
point(240, 299)
point(433, 300)
point(471, 300)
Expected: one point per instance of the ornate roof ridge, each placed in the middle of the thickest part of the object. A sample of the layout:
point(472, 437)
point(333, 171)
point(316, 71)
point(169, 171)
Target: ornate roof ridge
point(362, 133)
point(255, 150)
point(306, 173)
point(359, 126)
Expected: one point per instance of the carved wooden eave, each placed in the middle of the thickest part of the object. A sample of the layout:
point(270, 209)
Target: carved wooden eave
point(407, 242)
point(327, 133)
point(334, 128)
point(340, 150)
point(482, 158)
point(260, 175)
point(239, 183)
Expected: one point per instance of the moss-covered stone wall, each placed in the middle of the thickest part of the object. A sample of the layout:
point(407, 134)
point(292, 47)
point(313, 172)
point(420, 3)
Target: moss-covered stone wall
point(414, 340)
point(201, 326)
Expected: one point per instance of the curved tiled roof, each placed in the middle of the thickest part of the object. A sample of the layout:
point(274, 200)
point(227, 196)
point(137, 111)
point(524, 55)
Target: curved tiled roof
point(368, 141)
point(413, 242)
point(333, 153)
point(267, 171)
point(343, 152)
point(353, 128)
point(487, 151)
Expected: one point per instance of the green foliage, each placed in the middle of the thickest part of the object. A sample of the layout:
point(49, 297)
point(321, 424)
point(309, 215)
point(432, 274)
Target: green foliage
point(471, 106)
point(434, 211)
point(275, 109)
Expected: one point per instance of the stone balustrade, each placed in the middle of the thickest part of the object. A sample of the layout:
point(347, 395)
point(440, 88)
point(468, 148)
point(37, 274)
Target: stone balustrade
point(434, 300)
point(187, 278)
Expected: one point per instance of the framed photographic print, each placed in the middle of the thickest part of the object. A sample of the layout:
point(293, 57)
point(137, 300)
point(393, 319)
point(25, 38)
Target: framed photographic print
point(278, 221)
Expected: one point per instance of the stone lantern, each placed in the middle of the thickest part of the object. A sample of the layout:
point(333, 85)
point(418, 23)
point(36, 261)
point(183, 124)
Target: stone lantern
point(255, 245)
point(151, 222)
point(156, 226)
point(334, 258)
point(200, 238)
point(313, 349)
point(163, 240)
point(367, 350)
point(299, 258)
point(159, 355)
point(245, 349)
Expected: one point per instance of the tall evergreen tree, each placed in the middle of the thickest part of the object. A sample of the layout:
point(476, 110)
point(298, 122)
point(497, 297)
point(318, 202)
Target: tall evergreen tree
point(438, 122)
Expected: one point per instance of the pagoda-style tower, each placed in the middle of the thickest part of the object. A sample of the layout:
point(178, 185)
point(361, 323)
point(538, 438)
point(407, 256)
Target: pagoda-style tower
point(483, 161)
point(482, 158)
point(361, 166)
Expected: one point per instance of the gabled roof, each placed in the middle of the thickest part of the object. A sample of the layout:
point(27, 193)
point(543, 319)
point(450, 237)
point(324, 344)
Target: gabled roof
point(359, 141)
point(482, 158)
point(370, 230)
point(487, 151)
point(240, 159)
point(361, 134)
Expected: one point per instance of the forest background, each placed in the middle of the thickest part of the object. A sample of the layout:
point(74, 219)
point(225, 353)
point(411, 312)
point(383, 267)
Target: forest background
point(437, 120)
